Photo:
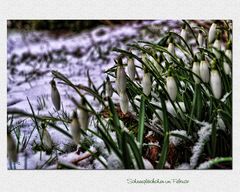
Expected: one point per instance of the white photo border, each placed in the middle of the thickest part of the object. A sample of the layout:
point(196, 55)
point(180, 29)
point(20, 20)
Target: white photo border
point(118, 180)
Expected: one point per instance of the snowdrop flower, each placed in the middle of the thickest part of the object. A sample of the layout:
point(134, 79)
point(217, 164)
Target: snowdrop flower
point(184, 33)
point(228, 53)
point(196, 70)
point(147, 83)
point(217, 45)
point(46, 138)
point(124, 102)
point(171, 48)
point(212, 32)
point(55, 95)
point(226, 67)
point(121, 79)
point(131, 68)
point(171, 88)
point(216, 84)
point(204, 71)
point(109, 89)
point(11, 148)
point(200, 38)
point(83, 115)
point(75, 128)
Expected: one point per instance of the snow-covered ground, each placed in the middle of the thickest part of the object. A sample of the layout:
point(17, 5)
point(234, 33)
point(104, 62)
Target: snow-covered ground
point(31, 57)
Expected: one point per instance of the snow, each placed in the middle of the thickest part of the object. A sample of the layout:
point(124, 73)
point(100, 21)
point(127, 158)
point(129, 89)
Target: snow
point(183, 166)
point(177, 140)
point(205, 165)
point(147, 164)
point(225, 96)
point(97, 164)
point(208, 164)
point(114, 162)
point(203, 136)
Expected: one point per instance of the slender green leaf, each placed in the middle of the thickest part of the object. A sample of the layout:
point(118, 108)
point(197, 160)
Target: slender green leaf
point(141, 123)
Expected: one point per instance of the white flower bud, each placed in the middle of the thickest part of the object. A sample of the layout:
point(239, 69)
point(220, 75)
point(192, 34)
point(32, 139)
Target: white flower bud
point(171, 87)
point(204, 71)
point(216, 84)
point(121, 79)
point(109, 89)
point(171, 48)
point(184, 34)
point(46, 138)
point(146, 83)
point(11, 148)
point(228, 53)
point(212, 33)
point(131, 68)
point(83, 116)
point(124, 102)
point(75, 128)
point(217, 45)
point(196, 70)
point(55, 95)
point(200, 39)
point(226, 67)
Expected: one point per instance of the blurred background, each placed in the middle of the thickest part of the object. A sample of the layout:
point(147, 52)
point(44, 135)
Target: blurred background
point(62, 25)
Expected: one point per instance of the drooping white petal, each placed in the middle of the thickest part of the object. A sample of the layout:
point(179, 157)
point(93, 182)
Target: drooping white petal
point(204, 71)
point(121, 79)
point(75, 128)
point(212, 33)
point(83, 119)
point(131, 68)
point(184, 34)
point(124, 102)
point(147, 83)
point(227, 69)
point(171, 48)
point(171, 88)
point(228, 53)
point(196, 70)
point(217, 45)
point(109, 89)
point(216, 84)
point(56, 99)
point(200, 39)
point(46, 139)
point(83, 115)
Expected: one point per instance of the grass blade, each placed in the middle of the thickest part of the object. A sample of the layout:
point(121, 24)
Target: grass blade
point(136, 151)
point(164, 151)
point(141, 123)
